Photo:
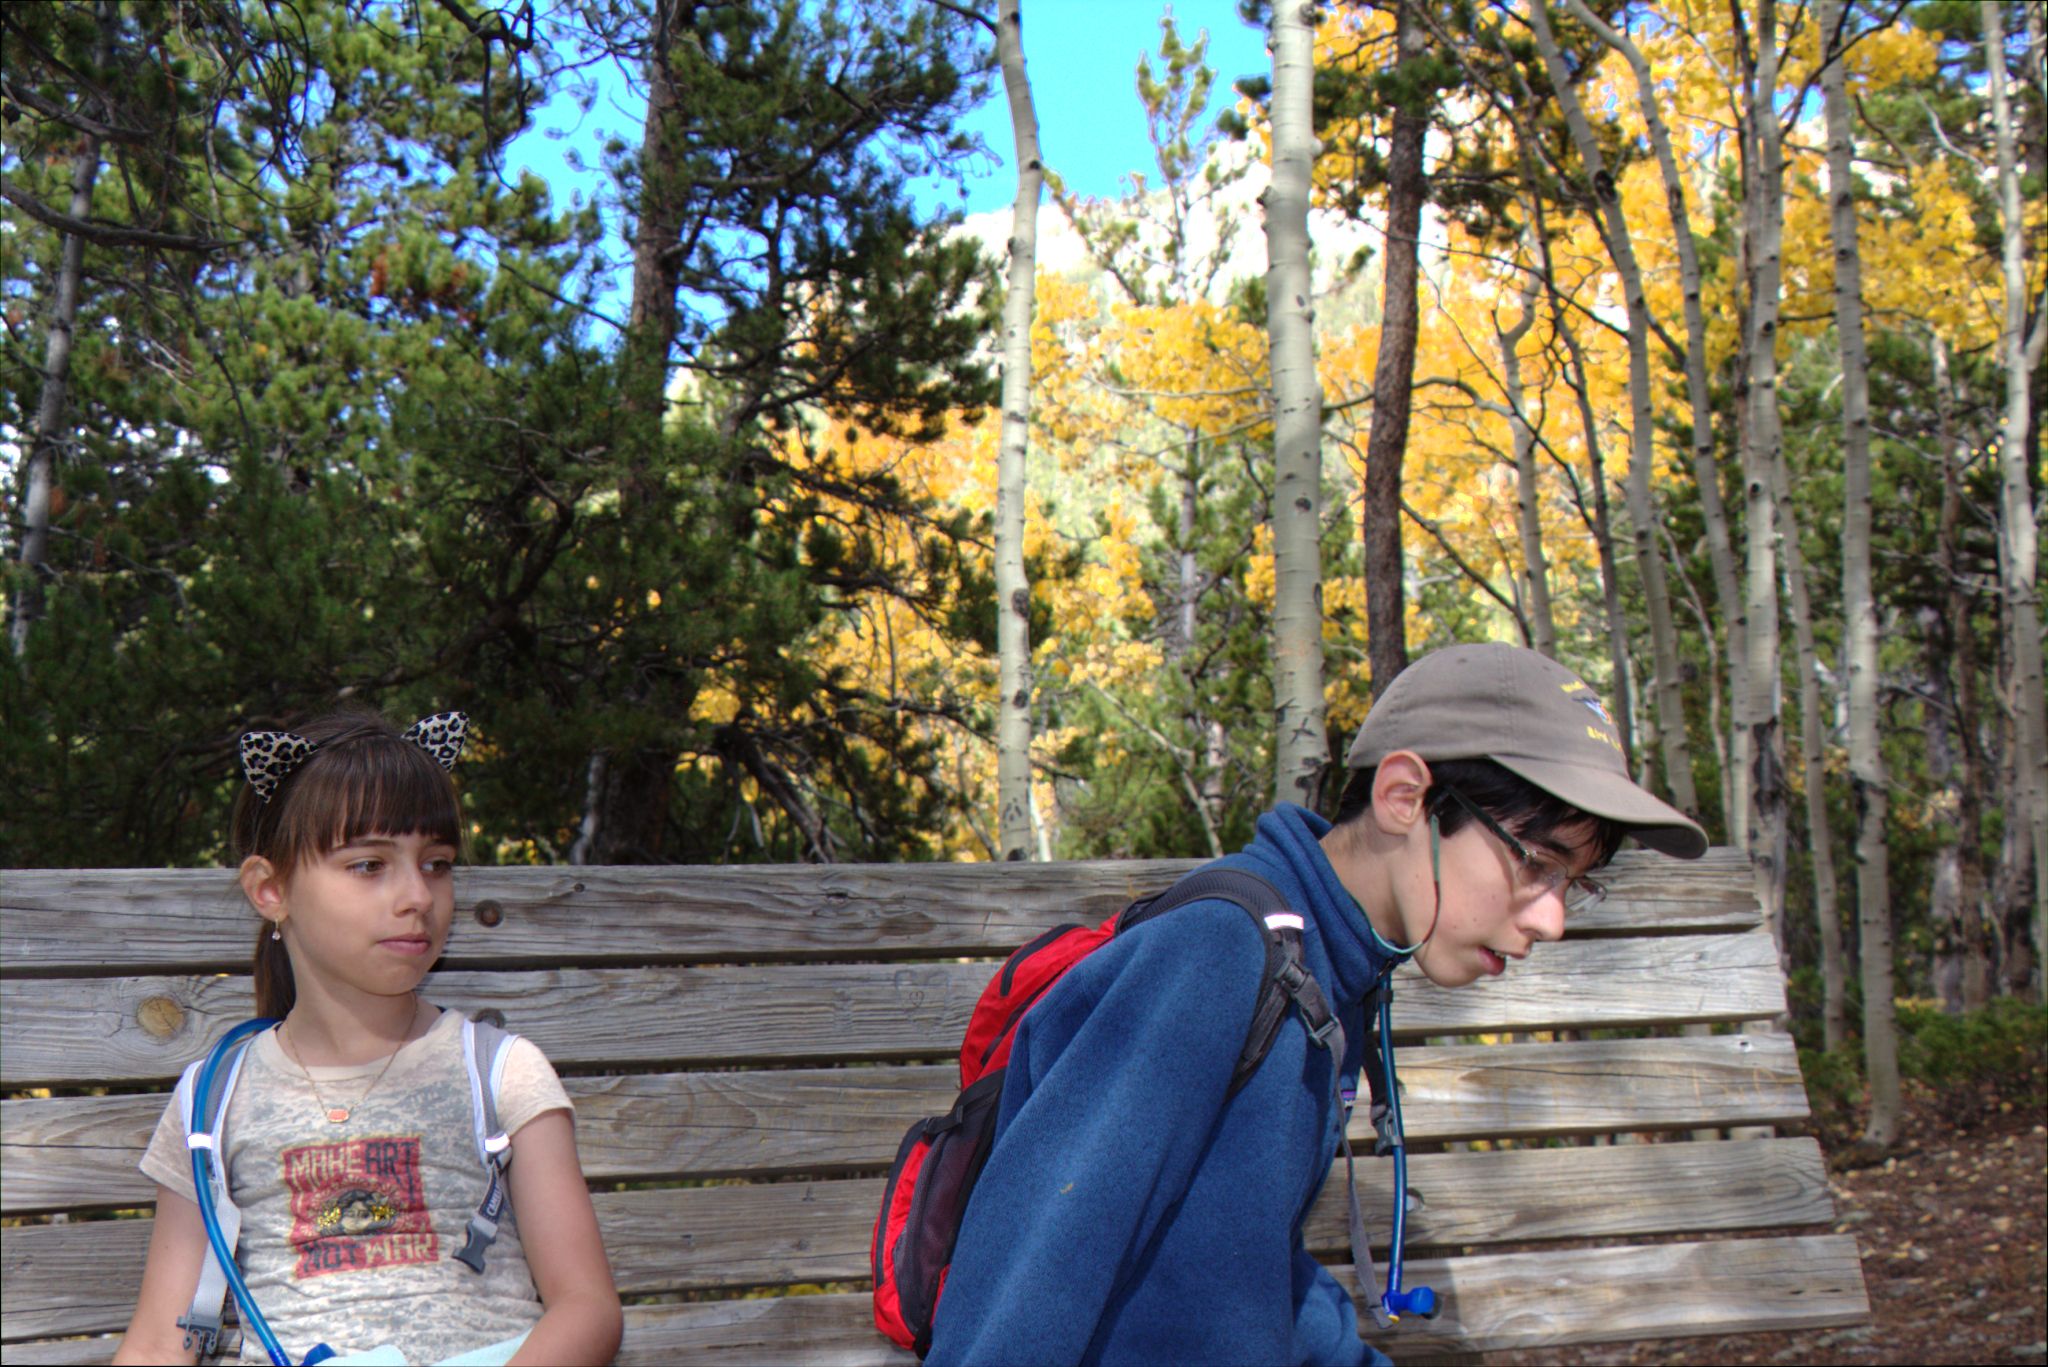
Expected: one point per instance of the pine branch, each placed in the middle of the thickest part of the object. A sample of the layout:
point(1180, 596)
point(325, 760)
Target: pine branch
point(107, 234)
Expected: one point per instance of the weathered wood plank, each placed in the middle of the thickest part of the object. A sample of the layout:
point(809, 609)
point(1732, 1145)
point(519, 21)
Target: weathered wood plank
point(64, 1352)
point(80, 1278)
point(90, 922)
point(80, 1152)
point(1595, 1086)
point(145, 1029)
point(1492, 1302)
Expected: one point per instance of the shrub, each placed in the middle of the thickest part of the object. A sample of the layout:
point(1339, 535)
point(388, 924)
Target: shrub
point(1999, 1054)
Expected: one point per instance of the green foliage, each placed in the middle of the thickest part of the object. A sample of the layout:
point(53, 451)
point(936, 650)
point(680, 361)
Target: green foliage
point(1999, 1053)
point(1972, 1062)
point(376, 451)
point(1834, 1094)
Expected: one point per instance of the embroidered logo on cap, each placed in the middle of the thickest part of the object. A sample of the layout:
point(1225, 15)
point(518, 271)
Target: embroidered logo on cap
point(1583, 693)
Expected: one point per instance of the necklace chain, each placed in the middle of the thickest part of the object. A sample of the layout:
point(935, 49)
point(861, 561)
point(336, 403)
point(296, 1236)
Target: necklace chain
point(339, 1115)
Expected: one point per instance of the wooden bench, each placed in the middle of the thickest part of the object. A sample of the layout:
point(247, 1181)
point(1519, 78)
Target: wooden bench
point(746, 1045)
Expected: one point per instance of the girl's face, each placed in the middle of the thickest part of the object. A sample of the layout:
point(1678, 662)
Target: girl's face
point(1495, 907)
point(372, 914)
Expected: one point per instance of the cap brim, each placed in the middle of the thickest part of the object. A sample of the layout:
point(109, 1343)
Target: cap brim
point(1602, 792)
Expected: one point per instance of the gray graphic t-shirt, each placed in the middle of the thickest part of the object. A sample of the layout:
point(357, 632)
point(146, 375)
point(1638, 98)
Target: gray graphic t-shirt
point(349, 1232)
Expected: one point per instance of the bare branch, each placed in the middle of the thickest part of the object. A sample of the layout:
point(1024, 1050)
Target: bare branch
point(1470, 573)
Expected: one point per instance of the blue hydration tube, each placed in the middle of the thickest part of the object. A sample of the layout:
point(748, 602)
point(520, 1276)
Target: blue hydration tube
point(202, 1185)
point(1395, 1301)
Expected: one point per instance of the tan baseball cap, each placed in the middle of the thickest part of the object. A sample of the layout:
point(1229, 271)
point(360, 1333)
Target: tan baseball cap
point(1533, 717)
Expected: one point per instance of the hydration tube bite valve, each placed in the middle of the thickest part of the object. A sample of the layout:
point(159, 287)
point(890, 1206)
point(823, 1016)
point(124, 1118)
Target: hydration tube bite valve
point(1395, 1301)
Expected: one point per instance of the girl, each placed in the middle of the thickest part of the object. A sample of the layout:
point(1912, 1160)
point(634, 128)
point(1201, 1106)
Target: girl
point(349, 1144)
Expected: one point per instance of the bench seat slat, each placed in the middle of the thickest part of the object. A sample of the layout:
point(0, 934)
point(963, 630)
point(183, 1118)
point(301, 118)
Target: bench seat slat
point(60, 922)
point(80, 1152)
point(781, 1234)
point(1493, 1302)
point(145, 1029)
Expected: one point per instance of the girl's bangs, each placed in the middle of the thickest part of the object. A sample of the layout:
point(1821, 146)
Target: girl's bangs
point(380, 787)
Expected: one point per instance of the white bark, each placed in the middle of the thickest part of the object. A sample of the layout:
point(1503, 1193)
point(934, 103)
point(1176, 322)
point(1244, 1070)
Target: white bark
point(1764, 205)
point(1300, 746)
point(1535, 567)
point(1953, 667)
point(1205, 734)
point(1859, 610)
point(1670, 708)
point(1705, 468)
point(1812, 754)
point(48, 434)
point(1015, 836)
point(1601, 523)
point(2018, 531)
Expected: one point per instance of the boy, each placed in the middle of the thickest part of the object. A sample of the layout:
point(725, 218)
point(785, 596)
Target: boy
point(1133, 1211)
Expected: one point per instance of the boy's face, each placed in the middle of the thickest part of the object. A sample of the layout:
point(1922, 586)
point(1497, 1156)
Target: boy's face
point(1495, 904)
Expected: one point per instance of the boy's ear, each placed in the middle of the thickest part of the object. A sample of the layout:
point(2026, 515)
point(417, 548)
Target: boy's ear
point(1400, 786)
point(264, 888)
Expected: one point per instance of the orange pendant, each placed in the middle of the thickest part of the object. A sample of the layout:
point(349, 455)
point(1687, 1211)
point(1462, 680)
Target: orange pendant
point(337, 1116)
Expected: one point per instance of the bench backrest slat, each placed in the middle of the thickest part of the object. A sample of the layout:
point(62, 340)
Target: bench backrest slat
point(93, 922)
point(80, 1152)
point(1505, 1301)
point(793, 1233)
point(146, 1029)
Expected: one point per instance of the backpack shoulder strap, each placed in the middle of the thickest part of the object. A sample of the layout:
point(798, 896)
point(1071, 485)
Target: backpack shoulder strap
point(205, 1122)
point(484, 1049)
point(1241, 886)
point(1285, 980)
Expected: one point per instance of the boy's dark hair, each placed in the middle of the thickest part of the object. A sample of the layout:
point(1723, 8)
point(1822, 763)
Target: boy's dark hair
point(362, 779)
point(1531, 814)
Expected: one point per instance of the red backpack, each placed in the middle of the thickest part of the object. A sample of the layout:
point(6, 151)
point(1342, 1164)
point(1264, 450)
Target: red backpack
point(941, 1156)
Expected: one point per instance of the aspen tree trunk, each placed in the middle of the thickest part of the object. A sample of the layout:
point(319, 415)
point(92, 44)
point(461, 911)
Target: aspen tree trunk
point(1858, 595)
point(1603, 531)
point(1013, 593)
point(2019, 533)
point(1946, 908)
point(1202, 760)
point(1764, 204)
point(1834, 974)
point(47, 437)
point(1859, 602)
point(1535, 569)
point(1705, 467)
point(1670, 709)
point(1957, 645)
point(1386, 442)
point(1300, 745)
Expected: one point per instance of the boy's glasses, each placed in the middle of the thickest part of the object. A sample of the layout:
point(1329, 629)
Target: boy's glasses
point(1547, 874)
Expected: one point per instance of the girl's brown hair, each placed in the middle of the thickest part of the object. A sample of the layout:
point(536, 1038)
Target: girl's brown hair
point(362, 779)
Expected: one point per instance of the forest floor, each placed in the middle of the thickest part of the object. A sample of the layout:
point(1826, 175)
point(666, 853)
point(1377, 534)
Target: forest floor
point(1951, 1229)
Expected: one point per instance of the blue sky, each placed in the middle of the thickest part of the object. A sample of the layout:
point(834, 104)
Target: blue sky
point(1082, 57)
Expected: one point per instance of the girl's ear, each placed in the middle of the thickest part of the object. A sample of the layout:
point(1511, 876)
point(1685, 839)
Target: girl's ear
point(1400, 786)
point(263, 885)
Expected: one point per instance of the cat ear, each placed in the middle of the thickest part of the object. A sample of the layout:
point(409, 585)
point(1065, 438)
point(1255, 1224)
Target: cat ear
point(268, 758)
point(440, 735)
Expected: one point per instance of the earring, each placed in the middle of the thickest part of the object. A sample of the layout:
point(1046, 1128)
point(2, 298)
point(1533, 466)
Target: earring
point(275, 932)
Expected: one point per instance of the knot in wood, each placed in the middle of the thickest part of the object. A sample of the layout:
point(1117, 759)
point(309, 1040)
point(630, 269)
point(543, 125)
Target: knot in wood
point(161, 1017)
point(489, 913)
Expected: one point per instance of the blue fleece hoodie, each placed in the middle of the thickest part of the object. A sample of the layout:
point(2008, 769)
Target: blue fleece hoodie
point(1130, 1211)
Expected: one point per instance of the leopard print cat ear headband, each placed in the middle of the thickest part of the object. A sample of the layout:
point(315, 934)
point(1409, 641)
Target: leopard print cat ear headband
point(268, 757)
